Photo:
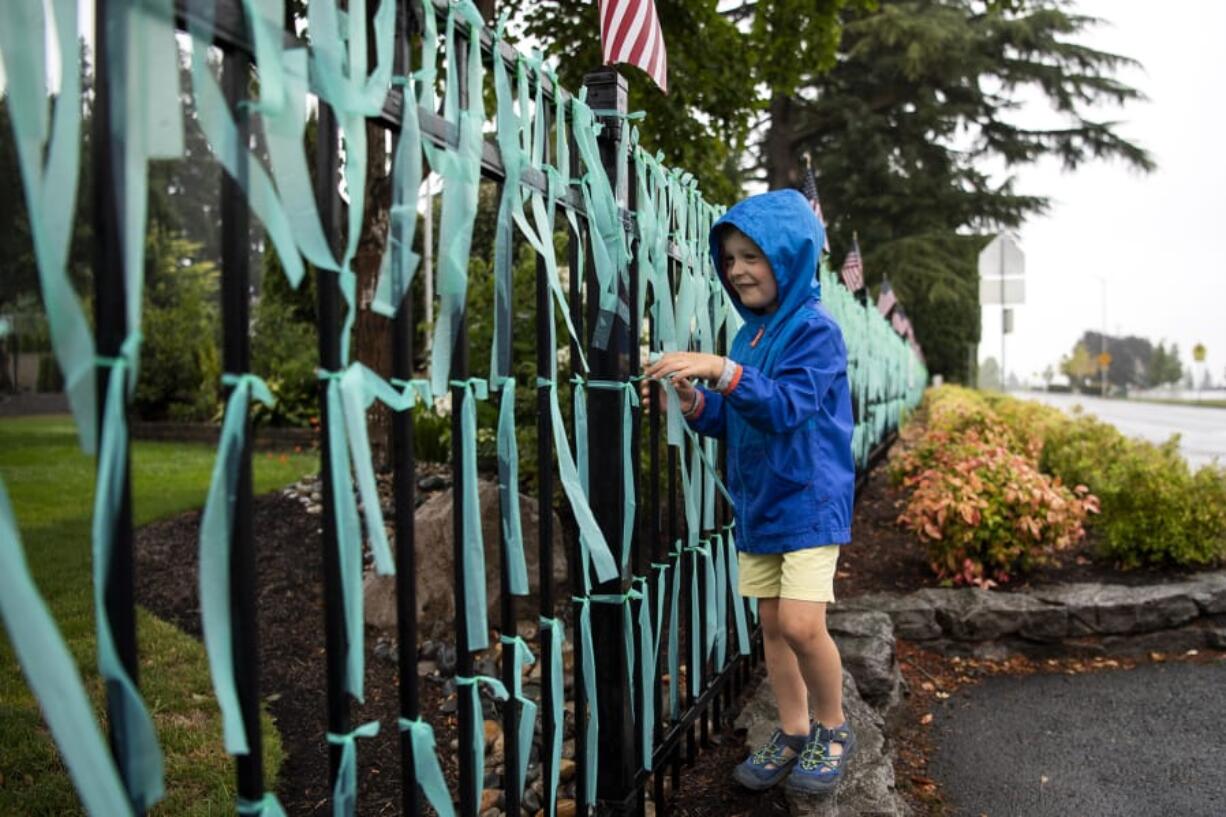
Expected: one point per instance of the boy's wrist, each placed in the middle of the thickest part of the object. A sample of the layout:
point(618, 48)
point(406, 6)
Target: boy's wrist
point(695, 406)
point(729, 377)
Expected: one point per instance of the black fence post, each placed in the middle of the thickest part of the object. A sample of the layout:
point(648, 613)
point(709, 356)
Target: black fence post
point(327, 286)
point(404, 478)
point(617, 772)
point(111, 329)
point(236, 359)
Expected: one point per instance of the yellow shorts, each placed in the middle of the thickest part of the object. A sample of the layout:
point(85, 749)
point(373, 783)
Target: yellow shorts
point(804, 575)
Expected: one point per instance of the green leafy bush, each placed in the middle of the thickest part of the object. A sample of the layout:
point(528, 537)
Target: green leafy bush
point(180, 365)
point(988, 477)
point(1155, 509)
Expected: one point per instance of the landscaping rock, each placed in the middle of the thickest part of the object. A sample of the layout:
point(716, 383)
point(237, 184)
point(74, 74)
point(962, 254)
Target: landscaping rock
point(866, 645)
point(1114, 609)
point(434, 547)
point(913, 615)
point(869, 787)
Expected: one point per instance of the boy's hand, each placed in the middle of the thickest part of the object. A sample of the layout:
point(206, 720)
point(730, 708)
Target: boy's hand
point(681, 368)
point(686, 394)
point(687, 365)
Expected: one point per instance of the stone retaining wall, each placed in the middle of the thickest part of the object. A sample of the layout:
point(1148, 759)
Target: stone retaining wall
point(1096, 617)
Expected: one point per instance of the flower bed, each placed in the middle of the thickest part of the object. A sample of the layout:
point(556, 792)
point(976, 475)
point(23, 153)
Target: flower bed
point(997, 486)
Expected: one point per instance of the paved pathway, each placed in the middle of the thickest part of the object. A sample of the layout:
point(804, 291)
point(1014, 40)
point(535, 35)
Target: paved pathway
point(1150, 741)
point(1202, 430)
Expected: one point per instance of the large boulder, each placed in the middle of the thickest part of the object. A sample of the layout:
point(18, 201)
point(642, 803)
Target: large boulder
point(434, 545)
point(869, 787)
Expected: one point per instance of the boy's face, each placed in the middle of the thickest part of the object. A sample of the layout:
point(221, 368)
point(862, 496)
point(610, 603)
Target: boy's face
point(748, 271)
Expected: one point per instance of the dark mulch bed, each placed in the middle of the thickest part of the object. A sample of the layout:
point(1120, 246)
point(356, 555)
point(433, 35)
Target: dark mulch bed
point(294, 678)
point(291, 620)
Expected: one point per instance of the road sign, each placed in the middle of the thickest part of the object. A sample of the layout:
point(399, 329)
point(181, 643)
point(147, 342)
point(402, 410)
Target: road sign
point(1002, 290)
point(1001, 268)
point(1008, 321)
point(1104, 360)
point(1198, 353)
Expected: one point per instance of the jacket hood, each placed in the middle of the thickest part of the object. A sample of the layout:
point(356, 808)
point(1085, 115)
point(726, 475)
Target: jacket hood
point(784, 227)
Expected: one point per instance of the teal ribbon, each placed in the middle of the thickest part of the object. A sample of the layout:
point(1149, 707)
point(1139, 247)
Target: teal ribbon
point(426, 769)
point(574, 473)
point(696, 634)
point(359, 388)
point(412, 392)
point(674, 653)
point(508, 489)
point(345, 791)
point(267, 21)
point(132, 726)
point(216, 529)
point(630, 401)
point(266, 806)
point(510, 139)
point(478, 719)
point(217, 123)
point(721, 601)
point(53, 677)
point(623, 600)
point(48, 154)
point(522, 657)
point(738, 606)
point(592, 732)
point(473, 545)
point(348, 535)
point(609, 252)
point(462, 170)
point(399, 263)
point(647, 721)
point(554, 740)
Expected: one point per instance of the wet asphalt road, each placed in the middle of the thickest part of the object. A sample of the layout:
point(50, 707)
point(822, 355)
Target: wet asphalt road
point(1147, 741)
point(1202, 430)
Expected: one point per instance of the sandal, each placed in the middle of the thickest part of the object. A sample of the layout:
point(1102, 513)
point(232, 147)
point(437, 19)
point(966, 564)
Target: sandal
point(817, 771)
point(770, 763)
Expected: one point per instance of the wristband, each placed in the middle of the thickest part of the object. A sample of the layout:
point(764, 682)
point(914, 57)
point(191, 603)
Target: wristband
point(725, 377)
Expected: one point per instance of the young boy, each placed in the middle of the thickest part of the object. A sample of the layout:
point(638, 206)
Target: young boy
point(781, 402)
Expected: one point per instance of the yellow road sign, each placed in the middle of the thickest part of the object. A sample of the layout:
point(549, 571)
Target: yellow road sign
point(1104, 360)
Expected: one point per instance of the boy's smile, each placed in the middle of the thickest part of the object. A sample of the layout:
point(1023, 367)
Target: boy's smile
point(748, 272)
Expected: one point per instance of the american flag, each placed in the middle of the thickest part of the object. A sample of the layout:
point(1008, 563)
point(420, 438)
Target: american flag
point(852, 271)
point(630, 32)
point(900, 323)
point(886, 298)
point(810, 192)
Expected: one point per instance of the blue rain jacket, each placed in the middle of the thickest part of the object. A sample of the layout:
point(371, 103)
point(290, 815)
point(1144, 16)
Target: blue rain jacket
point(787, 421)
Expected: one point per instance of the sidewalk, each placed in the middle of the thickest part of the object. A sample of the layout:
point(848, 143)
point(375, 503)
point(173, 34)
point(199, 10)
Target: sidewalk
point(1145, 741)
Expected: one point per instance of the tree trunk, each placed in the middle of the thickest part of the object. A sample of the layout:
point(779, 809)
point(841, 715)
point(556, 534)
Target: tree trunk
point(782, 167)
point(372, 331)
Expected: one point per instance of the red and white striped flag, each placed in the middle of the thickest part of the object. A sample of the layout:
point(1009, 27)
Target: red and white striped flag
point(852, 271)
point(630, 32)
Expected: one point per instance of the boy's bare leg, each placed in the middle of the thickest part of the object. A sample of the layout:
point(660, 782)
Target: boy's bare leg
point(803, 626)
point(783, 671)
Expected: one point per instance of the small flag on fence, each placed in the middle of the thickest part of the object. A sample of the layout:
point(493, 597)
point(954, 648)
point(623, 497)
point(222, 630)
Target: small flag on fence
point(810, 193)
point(886, 298)
point(630, 32)
point(852, 271)
point(900, 322)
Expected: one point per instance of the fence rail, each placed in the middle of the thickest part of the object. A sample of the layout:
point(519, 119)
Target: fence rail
point(652, 583)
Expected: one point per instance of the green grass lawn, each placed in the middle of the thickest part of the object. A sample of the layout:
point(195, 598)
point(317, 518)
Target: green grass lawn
point(51, 484)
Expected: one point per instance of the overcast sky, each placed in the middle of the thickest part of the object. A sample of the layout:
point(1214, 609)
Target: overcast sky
point(1157, 240)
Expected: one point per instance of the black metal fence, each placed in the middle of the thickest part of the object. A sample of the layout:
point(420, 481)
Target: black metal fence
point(662, 585)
